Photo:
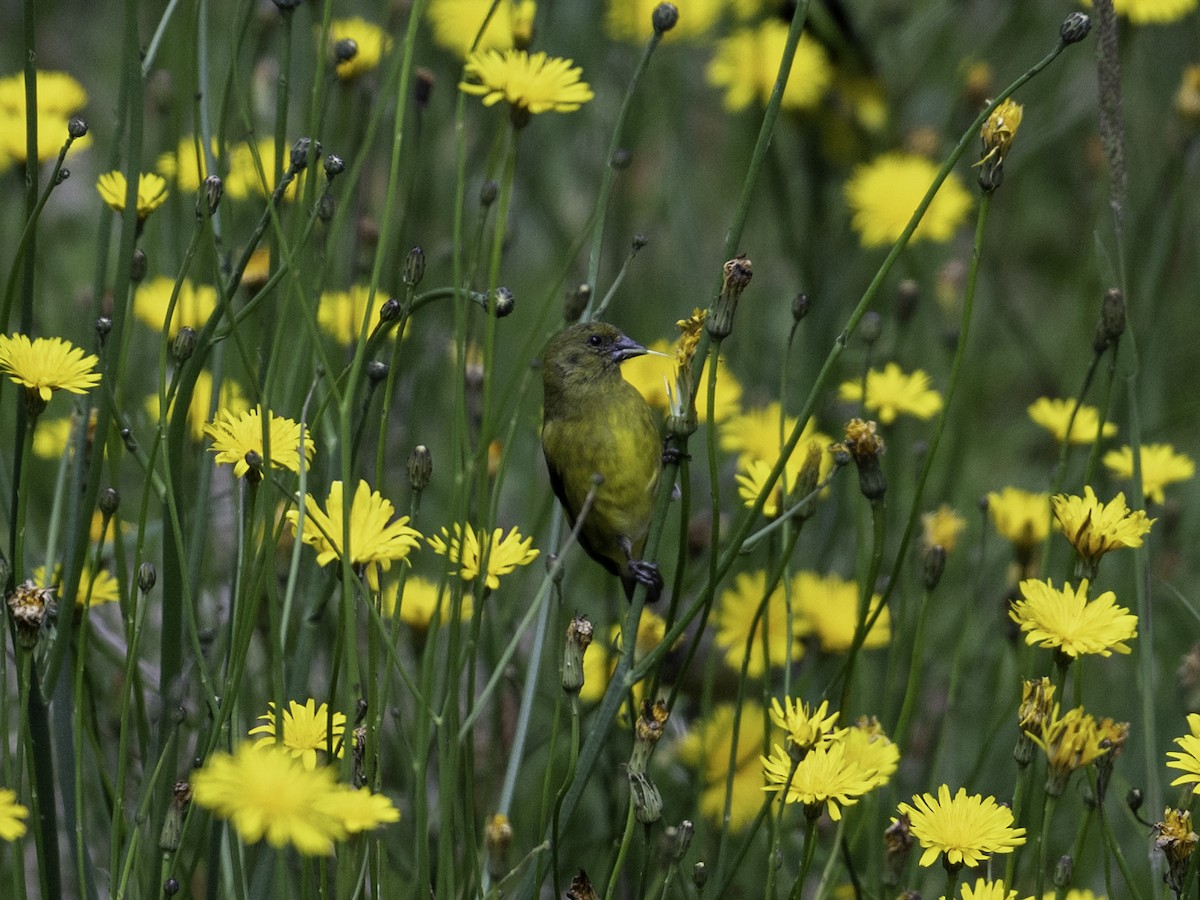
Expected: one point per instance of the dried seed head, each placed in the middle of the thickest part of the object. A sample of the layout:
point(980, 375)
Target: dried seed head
point(579, 638)
point(31, 608)
point(736, 277)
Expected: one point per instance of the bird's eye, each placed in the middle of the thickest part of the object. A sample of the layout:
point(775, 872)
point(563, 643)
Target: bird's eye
point(595, 340)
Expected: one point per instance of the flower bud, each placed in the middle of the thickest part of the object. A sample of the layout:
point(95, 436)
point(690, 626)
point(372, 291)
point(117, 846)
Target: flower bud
point(103, 327)
point(639, 241)
point(897, 842)
point(377, 370)
point(137, 266)
point(171, 887)
point(577, 302)
point(334, 166)
point(1074, 28)
point(390, 310)
point(488, 192)
point(423, 82)
point(1062, 872)
point(298, 159)
point(676, 840)
point(621, 158)
point(414, 267)
point(498, 835)
point(326, 208)
point(647, 801)
point(800, 307)
point(76, 128)
point(212, 190)
point(737, 274)
point(579, 638)
point(664, 17)
point(933, 564)
point(502, 302)
point(871, 327)
point(63, 174)
point(172, 829)
point(420, 468)
point(345, 50)
point(699, 875)
point(110, 499)
point(184, 344)
point(254, 460)
point(908, 293)
point(147, 577)
point(1112, 320)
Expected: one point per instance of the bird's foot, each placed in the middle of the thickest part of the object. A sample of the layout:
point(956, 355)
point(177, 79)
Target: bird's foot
point(673, 456)
point(647, 573)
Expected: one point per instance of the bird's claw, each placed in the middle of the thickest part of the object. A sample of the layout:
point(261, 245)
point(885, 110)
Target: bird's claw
point(673, 456)
point(647, 573)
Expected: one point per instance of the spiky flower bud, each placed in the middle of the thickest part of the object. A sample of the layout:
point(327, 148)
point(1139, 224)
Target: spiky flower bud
point(212, 190)
point(298, 159)
point(420, 468)
point(933, 564)
point(414, 267)
point(579, 638)
point(1074, 28)
point(147, 577)
point(664, 17)
point(76, 128)
point(737, 274)
point(110, 499)
point(502, 302)
point(184, 344)
point(334, 166)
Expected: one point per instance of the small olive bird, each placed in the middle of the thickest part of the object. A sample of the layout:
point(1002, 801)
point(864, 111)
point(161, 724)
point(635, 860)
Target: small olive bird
point(596, 423)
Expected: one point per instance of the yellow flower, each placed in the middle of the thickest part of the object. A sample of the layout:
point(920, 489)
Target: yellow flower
point(824, 777)
point(55, 437)
point(806, 727)
point(988, 890)
point(358, 810)
point(420, 602)
point(505, 553)
point(966, 828)
point(735, 615)
point(104, 589)
point(1161, 466)
point(942, 527)
point(746, 65)
point(999, 130)
point(230, 398)
point(651, 374)
point(758, 435)
point(891, 393)
point(706, 747)
point(1154, 12)
point(1187, 98)
point(1074, 894)
point(193, 306)
point(1070, 742)
point(1022, 517)
point(59, 96)
point(1176, 841)
point(629, 20)
point(245, 178)
point(1095, 528)
point(601, 659)
point(456, 23)
point(1053, 415)
point(237, 434)
point(45, 365)
point(151, 192)
point(186, 165)
point(884, 193)
point(375, 543)
point(867, 746)
point(368, 41)
point(12, 816)
point(1187, 757)
point(529, 83)
point(307, 728)
point(829, 606)
point(1065, 621)
point(340, 313)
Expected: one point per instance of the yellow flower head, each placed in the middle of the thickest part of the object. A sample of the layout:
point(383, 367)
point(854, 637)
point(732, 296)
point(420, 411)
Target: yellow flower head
point(1174, 836)
point(601, 659)
point(653, 373)
point(12, 816)
point(746, 64)
point(1095, 528)
point(235, 435)
point(307, 728)
point(1070, 742)
point(707, 746)
point(1066, 621)
point(1037, 705)
point(104, 588)
point(375, 541)
point(942, 527)
point(1153, 12)
point(989, 890)
point(193, 305)
point(358, 810)
point(340, 313)
point(999, 130)
point(529, 83)
point(1161, 466)
point(806, 727)
point(151, 192)
point(186, 165)
point(757, 436)
point(1187, 757)
point(59, 96)
point(735, 615)
point(823, 778)
point(421, 602)
point(55, 437)
point(230, 398)
point(873, 751)
point(1022, 517)
point(1053, 415)
point(891, 393)
point(630, 20)
point(358, 46)
point(829, 607)
point(456, 23)
point(1187, 98)
point(505, 553)
point(966, 828)
point(884, 193)
point(45, 365)
point(246, 179)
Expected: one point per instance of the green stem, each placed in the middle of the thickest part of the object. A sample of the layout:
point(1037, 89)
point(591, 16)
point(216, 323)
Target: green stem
point(810, 846)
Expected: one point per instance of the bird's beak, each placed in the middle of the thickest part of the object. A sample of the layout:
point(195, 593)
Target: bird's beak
point(626, 348)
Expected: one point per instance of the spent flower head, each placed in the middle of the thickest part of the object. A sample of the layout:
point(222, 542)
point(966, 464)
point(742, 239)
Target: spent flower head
point(307, 728)
point(1175, 840)
point(238, 435)
point(1035, 709)
point(504, 554)
point(1064, 620)
point(1160, 464)
point(891, 393)
point(968, 829)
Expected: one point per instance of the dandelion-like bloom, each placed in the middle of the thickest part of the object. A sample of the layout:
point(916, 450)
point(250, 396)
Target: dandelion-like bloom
point(186, 165)
point(805, 726)
point(370, 43)
point(706, 747)
point(306, 729)
point(601, 659)
point(823, 778)
point(421, 602)
point(456, 23)
point(104, 588)
point(891, 393)
point(988, 890)
point(650, 373)
point(735, 616)
point(59, 96)
point(1053, 415)
point(757, 436)
point(529, 83)
point(1070, 742)
point(245, 179)
point(375, 541)
point(359, 810)
point(235, 435)
point(884, 193)
point(1161, 466)
point(193, 306)
point(1187, 757)
point(1154, 12)
point(942, 527)
point(340, 313)
point(871, 749)
point(151, 192)
point(1021, 517)
point(746, 65)
point(968, 829)
point(507, 551)
point(1066, 621)
point(45, 365)
point(230, 397)
point(12, 816)
point(629, 20)
point(1095, 528)
point(829, 606)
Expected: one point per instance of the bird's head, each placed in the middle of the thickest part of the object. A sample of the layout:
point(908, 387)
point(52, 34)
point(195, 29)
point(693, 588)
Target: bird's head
point(585, 352)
